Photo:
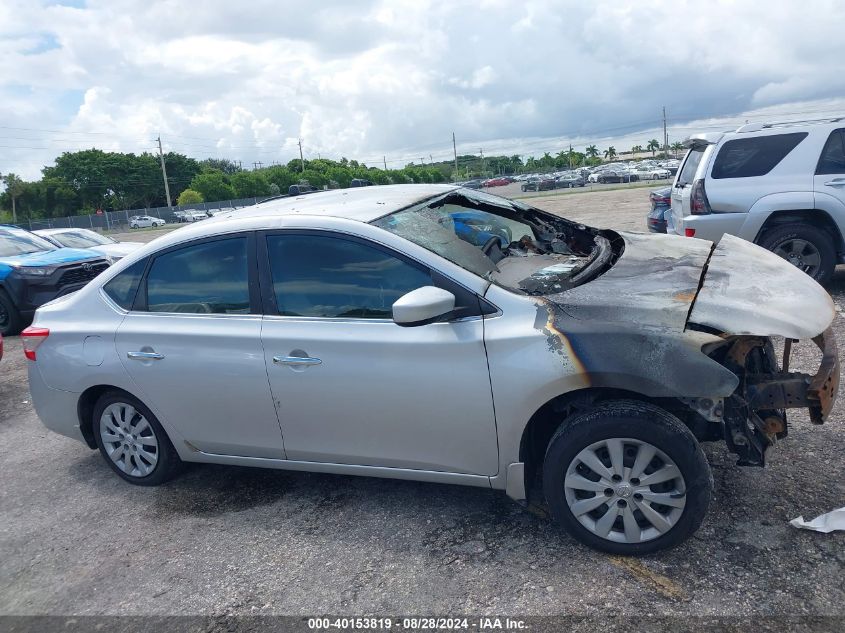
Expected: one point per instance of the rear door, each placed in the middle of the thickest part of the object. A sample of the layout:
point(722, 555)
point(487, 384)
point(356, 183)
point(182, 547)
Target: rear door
point(829, 180)
point(192, 344)
point(353, 387)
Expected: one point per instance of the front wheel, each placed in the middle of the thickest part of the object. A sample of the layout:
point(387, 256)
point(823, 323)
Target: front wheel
point(627, 478)
point(132, 440)
point(805, 246)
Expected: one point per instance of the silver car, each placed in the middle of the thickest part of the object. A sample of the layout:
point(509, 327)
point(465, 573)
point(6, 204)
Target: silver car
point(86, 238)
point(380, 331)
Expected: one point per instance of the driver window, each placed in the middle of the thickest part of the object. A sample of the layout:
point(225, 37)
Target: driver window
point(206, 278)
point(324, 276)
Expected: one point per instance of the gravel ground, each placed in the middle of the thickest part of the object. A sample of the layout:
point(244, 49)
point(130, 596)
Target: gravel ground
point(75, 539)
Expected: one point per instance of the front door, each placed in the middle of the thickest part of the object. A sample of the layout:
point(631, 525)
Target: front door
point(192, 344)
point(353, 387)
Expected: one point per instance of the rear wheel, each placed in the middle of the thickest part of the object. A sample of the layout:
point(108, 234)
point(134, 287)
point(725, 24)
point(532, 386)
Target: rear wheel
point(805, 246)
point(627, 478)
point(132, 441)
point(11, 320)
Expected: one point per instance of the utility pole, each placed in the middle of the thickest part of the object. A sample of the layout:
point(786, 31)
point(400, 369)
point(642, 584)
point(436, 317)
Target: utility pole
point(570, 156)
point(164, 173)
point(384, 158)
point(481, 151)
point(665, 134)
point(301, 159)
point(455, 149)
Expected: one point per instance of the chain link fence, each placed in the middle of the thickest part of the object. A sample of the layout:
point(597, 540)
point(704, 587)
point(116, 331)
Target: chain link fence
point(119, 221)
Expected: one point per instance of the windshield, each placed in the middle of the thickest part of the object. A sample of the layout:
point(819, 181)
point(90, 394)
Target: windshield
point(81, 239)
point(17, 242)
point(503, 241)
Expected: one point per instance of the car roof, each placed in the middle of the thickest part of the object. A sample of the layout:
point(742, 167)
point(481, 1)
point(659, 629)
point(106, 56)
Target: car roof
point(363, 204)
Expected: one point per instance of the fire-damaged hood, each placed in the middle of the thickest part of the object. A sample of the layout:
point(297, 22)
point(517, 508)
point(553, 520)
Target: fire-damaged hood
point(652, 284)
point(670, 282)
point(749, 290)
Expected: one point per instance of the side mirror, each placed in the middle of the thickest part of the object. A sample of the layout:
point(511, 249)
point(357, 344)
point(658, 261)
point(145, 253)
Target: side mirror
point(423, 305)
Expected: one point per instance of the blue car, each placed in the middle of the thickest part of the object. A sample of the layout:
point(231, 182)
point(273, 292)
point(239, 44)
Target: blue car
point(33, 271)
point(661, 210)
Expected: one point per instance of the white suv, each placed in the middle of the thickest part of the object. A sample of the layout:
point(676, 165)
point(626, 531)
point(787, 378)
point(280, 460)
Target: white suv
point(779, 185)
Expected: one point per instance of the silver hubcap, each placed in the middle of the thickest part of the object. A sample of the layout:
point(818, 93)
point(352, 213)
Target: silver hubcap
point(129, 439)
point(800, 253)
point(625, 490)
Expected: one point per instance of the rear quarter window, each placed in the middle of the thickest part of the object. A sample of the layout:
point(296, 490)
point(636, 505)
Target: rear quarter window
point(755, 156)
point(123, 287)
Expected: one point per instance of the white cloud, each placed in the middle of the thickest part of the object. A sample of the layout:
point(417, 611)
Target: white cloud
point(394, 77)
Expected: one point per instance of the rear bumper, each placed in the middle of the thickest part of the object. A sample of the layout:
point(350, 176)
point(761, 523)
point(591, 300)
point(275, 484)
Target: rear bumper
point(713, 225)
point(56, 409)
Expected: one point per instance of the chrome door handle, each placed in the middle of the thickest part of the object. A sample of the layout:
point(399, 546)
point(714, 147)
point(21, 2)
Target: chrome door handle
point(296, 360)
point(144, 356)
point(836, 182)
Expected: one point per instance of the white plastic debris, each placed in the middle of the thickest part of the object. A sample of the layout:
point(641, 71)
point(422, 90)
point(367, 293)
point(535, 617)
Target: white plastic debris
point(833, 520)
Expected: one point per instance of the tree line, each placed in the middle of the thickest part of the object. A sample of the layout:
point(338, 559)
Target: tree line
point(83, 182)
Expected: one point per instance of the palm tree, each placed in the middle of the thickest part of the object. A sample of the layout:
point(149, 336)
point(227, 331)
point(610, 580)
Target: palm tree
point(677, 146)
point(653, 146)
point(592, 151)
point(636, 149)
point(610, 153)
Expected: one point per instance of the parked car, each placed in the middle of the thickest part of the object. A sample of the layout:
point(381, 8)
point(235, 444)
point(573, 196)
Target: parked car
point(652, 173)
point(110, 248)
point(496, 182)
point(539, 184)
point(570, 181)
point(298, 190)
point(598, 358)
point(661, 209)
point(779, 185)
point(612, 176)
point(33, 271)
point(472, 184)
point(145, 221)
point(196, 215)
point(360, 182)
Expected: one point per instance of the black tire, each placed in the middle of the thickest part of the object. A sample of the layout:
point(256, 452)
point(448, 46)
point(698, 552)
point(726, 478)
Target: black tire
point(640, 421)
point(820, 239)
point(11, 321)
point(168, 464)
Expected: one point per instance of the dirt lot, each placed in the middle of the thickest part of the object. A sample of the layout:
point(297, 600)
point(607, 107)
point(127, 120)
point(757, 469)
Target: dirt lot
point(75, 539)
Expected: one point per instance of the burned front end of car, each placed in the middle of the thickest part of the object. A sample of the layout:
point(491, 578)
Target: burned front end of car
point(754, 417)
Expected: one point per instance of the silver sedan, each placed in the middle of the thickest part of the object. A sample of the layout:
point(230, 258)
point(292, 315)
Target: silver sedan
point(439, 334)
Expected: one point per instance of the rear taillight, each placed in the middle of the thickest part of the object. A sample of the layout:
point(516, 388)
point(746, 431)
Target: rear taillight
point(689, 232)
point(699, 205)
point(32, 338)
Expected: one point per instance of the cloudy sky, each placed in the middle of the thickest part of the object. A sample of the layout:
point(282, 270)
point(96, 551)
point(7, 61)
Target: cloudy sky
point(395, 78)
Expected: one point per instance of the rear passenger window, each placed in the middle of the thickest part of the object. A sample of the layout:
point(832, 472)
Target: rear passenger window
point(206, 278)
point(832, 160)
point(691, 163)
point(755, 156)
point(322, 276)
point(123, 287)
